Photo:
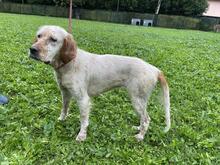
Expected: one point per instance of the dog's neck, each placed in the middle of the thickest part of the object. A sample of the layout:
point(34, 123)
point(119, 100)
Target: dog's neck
point(60, 62)
point(62, 68)
point(57, 64)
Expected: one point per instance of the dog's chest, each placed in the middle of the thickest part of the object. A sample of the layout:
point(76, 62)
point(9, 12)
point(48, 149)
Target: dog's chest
point(64, 80)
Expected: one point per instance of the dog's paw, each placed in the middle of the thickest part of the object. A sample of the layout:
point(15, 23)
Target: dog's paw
point(139, 137)
point(166, 129)
point(136, 128)
point(62, 117)
point(81, 137)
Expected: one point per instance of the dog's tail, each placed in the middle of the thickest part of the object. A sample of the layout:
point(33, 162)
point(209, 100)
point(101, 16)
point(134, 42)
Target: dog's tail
point(166, 99)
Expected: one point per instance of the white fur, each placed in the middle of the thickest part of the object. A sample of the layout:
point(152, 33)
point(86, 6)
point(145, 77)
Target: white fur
point(91, 74)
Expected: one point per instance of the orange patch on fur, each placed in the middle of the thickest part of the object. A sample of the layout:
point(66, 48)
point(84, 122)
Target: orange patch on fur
point(68, 50)
point(42, 48)
point(162, 80)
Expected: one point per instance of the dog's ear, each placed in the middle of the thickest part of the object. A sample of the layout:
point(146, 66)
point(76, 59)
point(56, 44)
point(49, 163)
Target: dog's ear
point(68, 50)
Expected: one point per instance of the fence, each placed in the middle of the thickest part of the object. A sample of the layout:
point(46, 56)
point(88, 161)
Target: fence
point(33, 9)
point(202, 23)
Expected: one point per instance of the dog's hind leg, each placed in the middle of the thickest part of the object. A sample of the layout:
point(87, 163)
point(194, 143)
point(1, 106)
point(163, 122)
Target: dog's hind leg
point(140, 91)
point(140, 105)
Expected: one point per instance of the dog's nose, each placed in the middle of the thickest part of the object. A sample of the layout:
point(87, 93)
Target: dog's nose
point(33, 50)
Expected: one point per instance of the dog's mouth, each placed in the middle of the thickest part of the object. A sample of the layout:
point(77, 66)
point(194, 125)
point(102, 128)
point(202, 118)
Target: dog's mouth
point(38, 59)
point(34, 57)
point(47, 62)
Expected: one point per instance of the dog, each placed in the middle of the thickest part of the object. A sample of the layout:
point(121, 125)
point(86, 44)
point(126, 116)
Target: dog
point(81, 75)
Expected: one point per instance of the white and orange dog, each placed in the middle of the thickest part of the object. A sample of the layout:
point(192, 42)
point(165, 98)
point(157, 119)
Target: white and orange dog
point(81, 74)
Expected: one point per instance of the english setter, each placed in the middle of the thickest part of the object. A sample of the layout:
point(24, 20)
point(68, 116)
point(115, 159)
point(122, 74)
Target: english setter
point(81, 74)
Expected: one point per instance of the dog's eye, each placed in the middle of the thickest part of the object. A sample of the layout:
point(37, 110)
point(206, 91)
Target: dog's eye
point(38, 36)
point(53, 39)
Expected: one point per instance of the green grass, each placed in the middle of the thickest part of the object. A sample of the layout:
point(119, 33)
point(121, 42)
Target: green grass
point(31, 134)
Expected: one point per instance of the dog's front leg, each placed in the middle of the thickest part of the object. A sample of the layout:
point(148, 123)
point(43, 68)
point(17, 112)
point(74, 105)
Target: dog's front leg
point(84, 106)
point(66, 97)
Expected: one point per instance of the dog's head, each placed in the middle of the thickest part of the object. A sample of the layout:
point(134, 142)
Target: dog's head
point(53, 45)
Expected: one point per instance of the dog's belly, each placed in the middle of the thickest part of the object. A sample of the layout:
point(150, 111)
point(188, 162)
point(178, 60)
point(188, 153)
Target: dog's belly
point(97, 86)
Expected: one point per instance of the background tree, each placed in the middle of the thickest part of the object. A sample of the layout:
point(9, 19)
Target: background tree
point(184, 7)
point(76, 3)
point(173, 7)
point(41, 2)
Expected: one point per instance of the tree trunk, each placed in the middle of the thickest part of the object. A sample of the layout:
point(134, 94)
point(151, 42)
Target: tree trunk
point(118, 5)
point(70, 17)
point(156, 13)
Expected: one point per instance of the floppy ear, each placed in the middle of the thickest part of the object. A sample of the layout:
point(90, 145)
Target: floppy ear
point(68, 50)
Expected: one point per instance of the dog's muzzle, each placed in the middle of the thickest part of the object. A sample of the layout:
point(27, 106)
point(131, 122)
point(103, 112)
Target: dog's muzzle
point(34, 53)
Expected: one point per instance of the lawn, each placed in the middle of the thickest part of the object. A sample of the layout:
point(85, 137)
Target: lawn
point(31, 134)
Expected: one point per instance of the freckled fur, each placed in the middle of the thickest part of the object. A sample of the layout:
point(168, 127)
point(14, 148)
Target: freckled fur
point(81, 75)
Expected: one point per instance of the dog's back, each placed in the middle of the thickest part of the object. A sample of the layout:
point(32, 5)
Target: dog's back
point(110, 71)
